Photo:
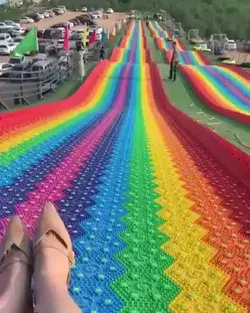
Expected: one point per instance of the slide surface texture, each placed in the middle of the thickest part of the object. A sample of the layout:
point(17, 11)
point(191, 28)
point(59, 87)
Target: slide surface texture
point(157, 205)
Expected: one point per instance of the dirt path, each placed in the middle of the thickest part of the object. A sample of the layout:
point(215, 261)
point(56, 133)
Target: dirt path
point(47, 23)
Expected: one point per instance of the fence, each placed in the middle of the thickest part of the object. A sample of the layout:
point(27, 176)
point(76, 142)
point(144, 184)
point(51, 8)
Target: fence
point(24, 87)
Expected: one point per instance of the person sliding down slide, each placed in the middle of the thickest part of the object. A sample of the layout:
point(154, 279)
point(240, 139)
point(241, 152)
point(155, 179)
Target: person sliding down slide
point(49, 262)
point(174, 63)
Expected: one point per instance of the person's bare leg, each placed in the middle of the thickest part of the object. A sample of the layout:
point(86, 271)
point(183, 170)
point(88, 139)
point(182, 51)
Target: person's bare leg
point(53, 259)
point(15, 272)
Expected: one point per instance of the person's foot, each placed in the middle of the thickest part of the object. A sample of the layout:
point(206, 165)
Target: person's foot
point(52, 237)
point(15, 268)
point(54, 257)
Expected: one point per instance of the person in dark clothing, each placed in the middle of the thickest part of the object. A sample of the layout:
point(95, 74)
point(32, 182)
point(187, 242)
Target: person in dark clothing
point(102, 53)
point(16, 100)
point(173, 63)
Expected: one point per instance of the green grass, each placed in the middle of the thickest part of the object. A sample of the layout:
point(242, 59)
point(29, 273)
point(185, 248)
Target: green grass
point(183, 97)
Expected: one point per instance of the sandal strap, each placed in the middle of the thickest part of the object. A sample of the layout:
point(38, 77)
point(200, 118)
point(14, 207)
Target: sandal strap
point(70, 256)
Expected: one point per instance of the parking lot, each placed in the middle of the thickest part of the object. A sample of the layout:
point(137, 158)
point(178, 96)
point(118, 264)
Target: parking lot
point(24, 89)
point(47, 23)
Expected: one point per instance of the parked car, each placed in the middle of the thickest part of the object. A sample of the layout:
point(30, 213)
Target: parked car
point(110, 11)
point(41, 15)
point(20, 71)
point(95, 15)
point(27, 20)
point(6, 29)
point(46, 14)
point(36, 17)
point(62, 8)
point(231, 44)
point(84, 9)
point(14, 60)
point(42, 69)
point(4, 69)
point(57, 11)
point(40, 57)
point(76, 34)
point(11, 23)
point(7, 48)
point(70, 24)
point(6, 37)
point(51, 13)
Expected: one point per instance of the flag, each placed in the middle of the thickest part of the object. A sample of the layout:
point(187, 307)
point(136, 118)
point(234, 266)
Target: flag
point(28, 44)
point(104, 36)
point(113, 33)
point(84, 35)
point(66, 39)
point(92, 38)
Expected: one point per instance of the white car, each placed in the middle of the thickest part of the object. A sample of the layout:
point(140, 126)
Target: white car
point(6, 37)
point(27, 20)
point(51, 13)
point(231, 44)
point(84, 9)
point(14, 24)
point(70, 24)
point(110, 11)
point(46, 14)
point(41, 15)
point(62, 8)
point(5, 68)
point(7, 48)
point(96, 14)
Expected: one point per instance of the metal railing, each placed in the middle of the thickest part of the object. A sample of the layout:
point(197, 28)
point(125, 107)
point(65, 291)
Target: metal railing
point(25, 87)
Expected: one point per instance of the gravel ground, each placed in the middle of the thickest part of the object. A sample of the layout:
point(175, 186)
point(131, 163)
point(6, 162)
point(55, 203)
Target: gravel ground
point(239, 56)
point(47, 23)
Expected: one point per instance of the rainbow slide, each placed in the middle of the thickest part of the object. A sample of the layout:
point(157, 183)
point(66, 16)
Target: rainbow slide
point(185, 57)
point(157, 223)
point(226, 89)
point(196, 58)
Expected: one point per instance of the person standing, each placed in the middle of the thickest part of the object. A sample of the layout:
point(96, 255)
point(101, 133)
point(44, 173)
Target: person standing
point(80, 62)
point(102, 53)
point(173, 63)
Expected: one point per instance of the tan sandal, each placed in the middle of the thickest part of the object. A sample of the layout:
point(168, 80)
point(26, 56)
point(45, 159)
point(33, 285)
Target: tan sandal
point(50, 221)
point(16, 248)
point(15, 237)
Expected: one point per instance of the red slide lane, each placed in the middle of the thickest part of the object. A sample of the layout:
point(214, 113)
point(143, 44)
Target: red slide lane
point(234, 160)
point(202, 94)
